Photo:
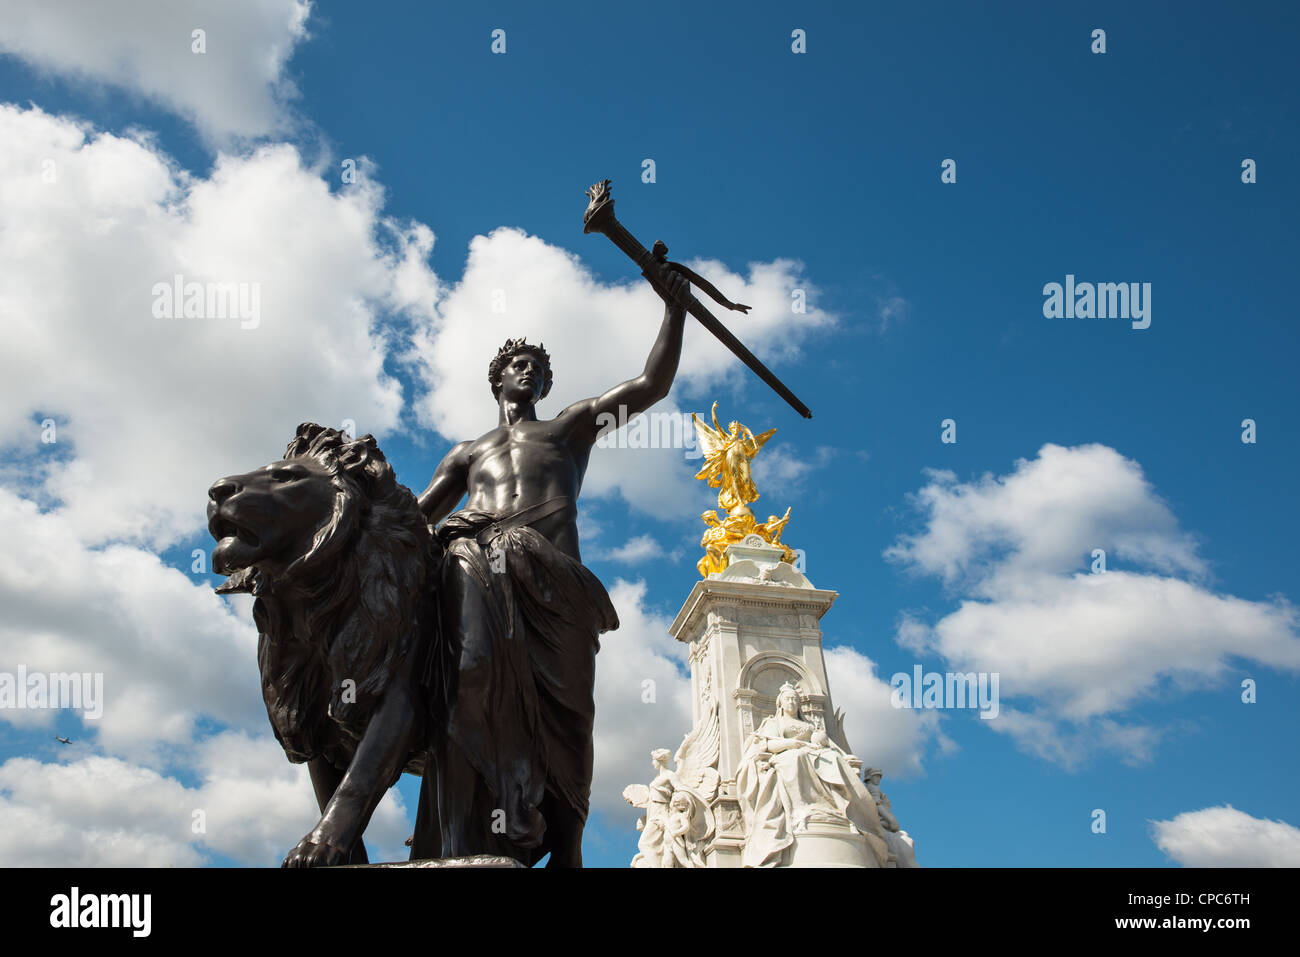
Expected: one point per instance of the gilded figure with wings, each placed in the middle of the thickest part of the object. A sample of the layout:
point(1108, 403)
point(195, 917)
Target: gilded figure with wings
point(727, 455)
point(726, 459)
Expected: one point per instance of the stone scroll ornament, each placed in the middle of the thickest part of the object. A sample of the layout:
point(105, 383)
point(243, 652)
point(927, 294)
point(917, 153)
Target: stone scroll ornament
point(599, 218)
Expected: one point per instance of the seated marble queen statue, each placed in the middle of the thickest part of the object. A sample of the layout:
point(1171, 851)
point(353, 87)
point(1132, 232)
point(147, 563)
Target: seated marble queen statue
point(792, 775)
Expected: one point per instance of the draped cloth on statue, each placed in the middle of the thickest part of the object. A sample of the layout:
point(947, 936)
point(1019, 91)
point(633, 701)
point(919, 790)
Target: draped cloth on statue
point(524, 620)
point(780, 792)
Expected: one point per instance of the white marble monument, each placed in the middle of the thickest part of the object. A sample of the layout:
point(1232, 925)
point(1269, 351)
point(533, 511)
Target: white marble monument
point(765, 777)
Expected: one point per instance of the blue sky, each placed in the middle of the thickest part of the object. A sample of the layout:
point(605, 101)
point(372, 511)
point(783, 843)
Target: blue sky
point(1123, 166)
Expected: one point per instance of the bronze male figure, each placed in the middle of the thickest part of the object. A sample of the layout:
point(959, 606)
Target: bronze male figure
point(520, 615)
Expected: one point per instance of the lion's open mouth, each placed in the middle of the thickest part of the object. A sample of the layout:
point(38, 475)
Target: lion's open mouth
point(223, 528)
point(237, 546)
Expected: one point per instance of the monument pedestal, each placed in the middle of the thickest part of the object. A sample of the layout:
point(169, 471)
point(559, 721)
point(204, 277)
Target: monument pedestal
point(831, 845)
point(755, 640)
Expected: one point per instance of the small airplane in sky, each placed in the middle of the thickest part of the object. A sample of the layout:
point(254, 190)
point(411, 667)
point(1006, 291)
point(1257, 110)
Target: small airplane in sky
point(62, 740)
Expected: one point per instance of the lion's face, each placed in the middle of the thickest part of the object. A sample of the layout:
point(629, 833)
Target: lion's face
point(270, 516)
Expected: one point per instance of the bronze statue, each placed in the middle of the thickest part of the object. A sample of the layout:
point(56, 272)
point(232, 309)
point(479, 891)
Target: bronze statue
point(466, 655)
point(521, 614)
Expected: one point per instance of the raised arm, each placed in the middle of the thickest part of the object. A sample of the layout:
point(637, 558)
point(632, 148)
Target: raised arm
point(448, 485)
point(639, 393)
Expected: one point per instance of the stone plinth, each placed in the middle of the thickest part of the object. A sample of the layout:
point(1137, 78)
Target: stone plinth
point(831, 845)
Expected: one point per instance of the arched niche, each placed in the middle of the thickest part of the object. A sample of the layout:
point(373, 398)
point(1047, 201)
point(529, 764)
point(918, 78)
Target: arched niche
point(761, 679)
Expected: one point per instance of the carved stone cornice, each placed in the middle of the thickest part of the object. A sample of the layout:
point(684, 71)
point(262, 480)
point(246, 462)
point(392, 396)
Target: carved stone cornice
point(708, 595)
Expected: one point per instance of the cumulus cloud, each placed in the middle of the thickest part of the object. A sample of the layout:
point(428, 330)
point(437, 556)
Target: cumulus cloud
point(894, 740)
point(781, 473)
point(1226, 837)
point(1046, 515)
point(99, 812)
point(654, 481)
point(1095, 644)
point(237, 87)
point(147, 411)
point(171, 652)
point(104, 812)
point(1080, 647)
point(154, 409)
point(639, 548)
point(643, 698)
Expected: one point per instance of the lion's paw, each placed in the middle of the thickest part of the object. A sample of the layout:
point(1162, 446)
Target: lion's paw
point(309, 853)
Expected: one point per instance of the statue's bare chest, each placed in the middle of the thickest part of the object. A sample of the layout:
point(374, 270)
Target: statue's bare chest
point(519, 451)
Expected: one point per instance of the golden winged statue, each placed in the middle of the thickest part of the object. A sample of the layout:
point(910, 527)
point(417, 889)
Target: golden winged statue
point(726, 459)
point(727, 456)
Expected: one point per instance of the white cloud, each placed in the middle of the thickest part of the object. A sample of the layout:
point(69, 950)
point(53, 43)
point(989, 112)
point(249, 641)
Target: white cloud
point(655, 481)
point(237, 87)
point(104, 812)
point(150, 411)
point(1047, 515)
point(1226, 837)
point(589, 527)
point(597, 335)
point(259, 806)
point(640, 548)
point(156, 409)
point(628, 726)
point(889, 309)
point(1095, 644)
point(1081, 646)
point(169, 649)
point(1068, 745)
point(99, 812)
point(894, 740)
point(781, 472)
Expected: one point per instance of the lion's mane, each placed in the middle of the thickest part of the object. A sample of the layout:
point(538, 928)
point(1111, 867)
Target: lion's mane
point(353, 614)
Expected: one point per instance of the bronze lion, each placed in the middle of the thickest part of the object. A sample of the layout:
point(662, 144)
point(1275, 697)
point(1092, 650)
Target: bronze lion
point(339, 560)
